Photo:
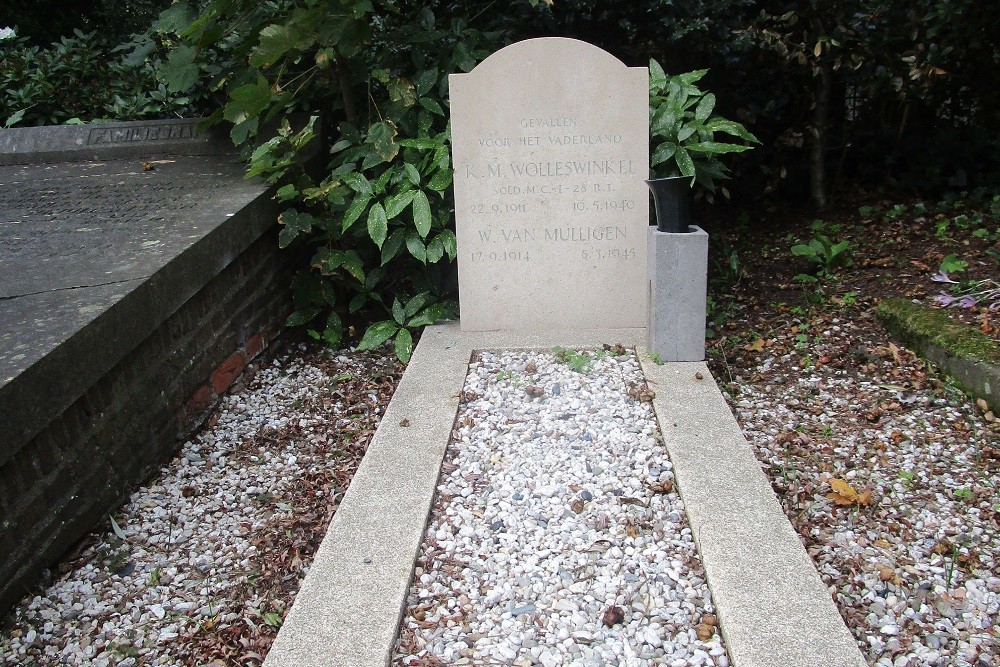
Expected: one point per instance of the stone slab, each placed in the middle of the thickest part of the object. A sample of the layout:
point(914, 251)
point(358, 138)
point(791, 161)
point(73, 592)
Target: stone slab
point(550, 144)
point(773, 608)
point(96, 254)
point(102, 141)
point(678, 289)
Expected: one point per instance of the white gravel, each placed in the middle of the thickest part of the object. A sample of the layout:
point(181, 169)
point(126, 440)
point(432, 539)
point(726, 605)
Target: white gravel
point(556, 537)
point(194, 542)
point(914, 572)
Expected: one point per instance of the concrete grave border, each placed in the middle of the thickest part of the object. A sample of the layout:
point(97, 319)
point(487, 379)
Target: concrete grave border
point(773, 608)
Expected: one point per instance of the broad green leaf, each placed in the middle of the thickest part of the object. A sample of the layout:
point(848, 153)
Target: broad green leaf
point(664, 122)
point(334, 331)
point(398, 313)
point(358, 183)
point(691, 77)
point(339, 146)
point(450, 243)
point(242, 130)
point(401, 90)
point(358, 302)
point(442, 157)
point(435, 250)
point(397, 203)
point(382, 181)
point(328, 261)
point(431, 106)
point(425, 81)
point(421, 214)
point(392, 246)
point(174, 18)
point(416, 303)
point(248, 101)
point(705, 107)
point(179, 73)
point(440, 181)
point(730, 127)
point(802, 250)
point(275, 41)
point(432, 314)
point(663, 153)
point(286, 192)
point(378, 225)
point(422, 143)
point(684, 162)
point(301, 316)
point(412, 173)
point(372, 159)
point(293, 223)
point(355, 210)
point(716, 147)
point(354, 266)
point(350, 133)
point(377, 334)
point(382, 136)
point(657, 77)
point(685, 132)
point(463, 58)
point(404, 345)
point(416, 247)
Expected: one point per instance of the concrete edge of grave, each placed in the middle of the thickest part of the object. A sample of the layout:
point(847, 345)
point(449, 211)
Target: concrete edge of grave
point(773, 608)
point(112, 333)
point(348, 609)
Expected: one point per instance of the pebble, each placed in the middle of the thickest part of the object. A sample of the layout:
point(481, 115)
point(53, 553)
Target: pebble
point(541, 591)
point(910, 572)
point(190, 533)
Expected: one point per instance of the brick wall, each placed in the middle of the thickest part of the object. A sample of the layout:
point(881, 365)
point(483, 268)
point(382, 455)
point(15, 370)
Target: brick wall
point(129, 423)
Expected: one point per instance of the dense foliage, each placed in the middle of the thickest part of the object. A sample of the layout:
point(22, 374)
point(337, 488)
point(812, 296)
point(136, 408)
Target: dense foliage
point(82, 77)
point(377, 220)
point(868, 88)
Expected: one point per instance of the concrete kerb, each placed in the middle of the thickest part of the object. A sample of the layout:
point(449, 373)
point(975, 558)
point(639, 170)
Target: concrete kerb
point(774, 609)
point(772, 605)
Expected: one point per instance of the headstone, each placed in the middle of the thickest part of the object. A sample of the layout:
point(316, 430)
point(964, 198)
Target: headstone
point(550, 142)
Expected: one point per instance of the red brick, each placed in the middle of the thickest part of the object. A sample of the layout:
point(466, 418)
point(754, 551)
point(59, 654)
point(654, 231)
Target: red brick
point(198, 403)
point(254, 346)
point(228, 371)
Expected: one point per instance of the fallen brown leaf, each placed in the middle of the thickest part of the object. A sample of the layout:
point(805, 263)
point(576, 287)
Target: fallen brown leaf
point(613, 616)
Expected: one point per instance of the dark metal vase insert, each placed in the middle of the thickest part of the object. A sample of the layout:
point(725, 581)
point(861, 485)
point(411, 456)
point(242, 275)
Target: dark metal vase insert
point(671, 196)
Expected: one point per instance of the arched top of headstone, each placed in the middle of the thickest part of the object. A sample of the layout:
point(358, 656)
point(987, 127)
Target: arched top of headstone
point(550, 146)
point(546, 52)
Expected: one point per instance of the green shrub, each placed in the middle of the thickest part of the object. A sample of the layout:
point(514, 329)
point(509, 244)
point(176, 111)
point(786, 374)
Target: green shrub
point(82, 78)
point(683, 125)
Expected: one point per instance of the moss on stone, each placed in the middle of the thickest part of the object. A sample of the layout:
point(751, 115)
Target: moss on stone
point(911, 322)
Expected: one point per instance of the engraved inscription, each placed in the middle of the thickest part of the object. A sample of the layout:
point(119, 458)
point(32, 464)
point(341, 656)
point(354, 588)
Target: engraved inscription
point(549, 193)
point(121, 135)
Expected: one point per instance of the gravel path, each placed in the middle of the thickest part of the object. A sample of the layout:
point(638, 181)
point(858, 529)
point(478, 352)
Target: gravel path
point(556, 537)
point(890, 476)
point(201, 564)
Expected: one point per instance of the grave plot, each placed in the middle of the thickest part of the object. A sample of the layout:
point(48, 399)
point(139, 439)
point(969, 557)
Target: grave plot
point(140, 274)
point(557, 537)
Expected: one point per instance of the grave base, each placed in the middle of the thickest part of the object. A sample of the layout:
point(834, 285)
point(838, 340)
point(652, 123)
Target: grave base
point(678, 276)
